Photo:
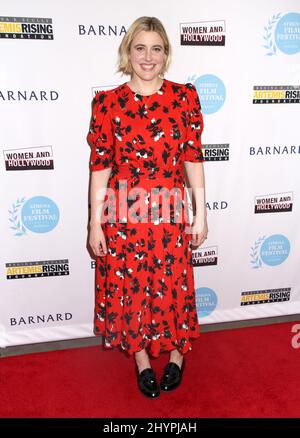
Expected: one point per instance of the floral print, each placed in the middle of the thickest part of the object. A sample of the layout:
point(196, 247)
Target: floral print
point(145, 296)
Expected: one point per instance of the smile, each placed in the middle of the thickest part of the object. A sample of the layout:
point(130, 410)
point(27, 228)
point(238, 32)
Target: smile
point(148, 67)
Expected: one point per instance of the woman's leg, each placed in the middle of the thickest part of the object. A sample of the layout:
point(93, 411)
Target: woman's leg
point(176, 357)
point(142, 360)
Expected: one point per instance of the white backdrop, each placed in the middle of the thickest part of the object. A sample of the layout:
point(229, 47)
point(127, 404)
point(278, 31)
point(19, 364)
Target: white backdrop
point(248, 266)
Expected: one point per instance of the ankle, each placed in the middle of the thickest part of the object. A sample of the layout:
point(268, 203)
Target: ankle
point(142, 360)
point(176, 357)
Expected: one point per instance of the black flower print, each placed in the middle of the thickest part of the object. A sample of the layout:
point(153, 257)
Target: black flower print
point(144, 286)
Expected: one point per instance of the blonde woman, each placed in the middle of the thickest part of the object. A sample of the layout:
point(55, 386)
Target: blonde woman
point(143, 134)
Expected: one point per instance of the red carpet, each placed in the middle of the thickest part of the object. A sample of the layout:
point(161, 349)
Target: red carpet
point(251, 372)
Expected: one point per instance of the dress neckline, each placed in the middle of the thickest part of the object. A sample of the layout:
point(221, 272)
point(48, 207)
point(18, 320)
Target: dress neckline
point(146, 95)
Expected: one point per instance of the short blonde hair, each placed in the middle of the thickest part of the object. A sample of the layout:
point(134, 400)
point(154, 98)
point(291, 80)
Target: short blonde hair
point(147, 24)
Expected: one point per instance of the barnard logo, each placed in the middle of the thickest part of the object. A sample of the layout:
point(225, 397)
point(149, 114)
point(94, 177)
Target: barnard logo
point(26, 28)
point(40, 319)
point(28, 95)
point(203, 33)
point(101, 30)
point(274, 150)
point(276, 94)
point(42, 268)
point(275, 203)
point(216, 152)
point(35, 158)
point(265, 296)
point(206, 256)
point(217, 205)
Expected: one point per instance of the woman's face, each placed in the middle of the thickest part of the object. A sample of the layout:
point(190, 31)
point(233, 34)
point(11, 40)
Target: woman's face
point(147, 55)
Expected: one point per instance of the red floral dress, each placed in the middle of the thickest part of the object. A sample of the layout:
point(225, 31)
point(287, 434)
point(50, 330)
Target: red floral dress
point(145, 295)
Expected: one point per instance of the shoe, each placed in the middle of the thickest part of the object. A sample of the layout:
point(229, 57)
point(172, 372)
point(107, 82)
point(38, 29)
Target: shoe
point(148, 384)
point(172, 376)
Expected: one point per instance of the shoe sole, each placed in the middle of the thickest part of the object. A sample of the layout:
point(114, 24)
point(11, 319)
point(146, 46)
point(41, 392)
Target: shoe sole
point(171, 389)
point(149, 396)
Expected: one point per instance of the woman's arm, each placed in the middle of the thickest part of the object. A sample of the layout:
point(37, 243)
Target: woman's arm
point(196, 180)
point(98, 188)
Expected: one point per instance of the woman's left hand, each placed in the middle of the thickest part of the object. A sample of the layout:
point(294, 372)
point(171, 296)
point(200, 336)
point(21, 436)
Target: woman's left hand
point(199, 231)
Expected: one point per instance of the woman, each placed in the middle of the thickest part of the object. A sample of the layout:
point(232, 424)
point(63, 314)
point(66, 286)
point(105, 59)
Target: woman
point(143, 134)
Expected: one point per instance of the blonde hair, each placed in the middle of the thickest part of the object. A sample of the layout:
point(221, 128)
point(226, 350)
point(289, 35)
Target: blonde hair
point(147, 24)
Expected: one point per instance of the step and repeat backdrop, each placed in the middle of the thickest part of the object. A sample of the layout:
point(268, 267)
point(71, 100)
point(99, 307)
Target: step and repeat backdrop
point(244, 58)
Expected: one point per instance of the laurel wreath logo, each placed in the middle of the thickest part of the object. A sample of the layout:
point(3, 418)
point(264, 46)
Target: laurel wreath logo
point(191, 79)
point(270, 44)
point(13, 218)
point(256, 260)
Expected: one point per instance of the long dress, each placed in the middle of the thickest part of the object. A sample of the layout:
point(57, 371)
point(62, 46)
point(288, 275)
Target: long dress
point(144, 285)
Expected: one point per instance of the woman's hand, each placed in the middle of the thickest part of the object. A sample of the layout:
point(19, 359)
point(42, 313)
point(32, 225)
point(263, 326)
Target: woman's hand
point(97, 240)
point(199, 231)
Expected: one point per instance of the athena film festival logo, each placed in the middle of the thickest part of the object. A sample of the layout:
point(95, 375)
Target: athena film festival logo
point(271, 251)
point(282, 33)
point(206, 301)
point(26, 28)
point(211, 91)
point(38, 215)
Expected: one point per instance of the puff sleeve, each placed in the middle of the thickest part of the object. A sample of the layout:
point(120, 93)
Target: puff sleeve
point(100, 136)
point(195, 125)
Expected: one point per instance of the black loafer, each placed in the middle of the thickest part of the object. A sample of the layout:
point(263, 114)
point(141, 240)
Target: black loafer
point(172, 376)
point(148, 384)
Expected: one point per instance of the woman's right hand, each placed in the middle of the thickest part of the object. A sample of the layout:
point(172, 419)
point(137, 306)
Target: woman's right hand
point(97, 240)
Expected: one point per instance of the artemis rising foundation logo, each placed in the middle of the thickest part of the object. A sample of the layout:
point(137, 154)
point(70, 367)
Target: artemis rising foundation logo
point(265, 296)
point(26, 28)
point(268, 94)
point(40, 268)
